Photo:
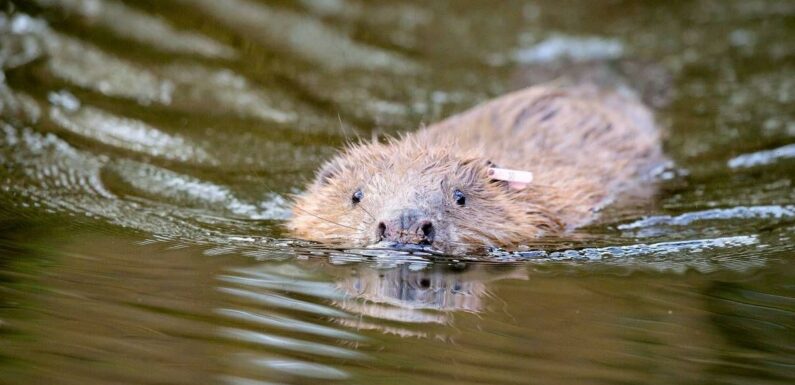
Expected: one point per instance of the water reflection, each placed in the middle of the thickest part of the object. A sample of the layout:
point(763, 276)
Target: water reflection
point(402, 293)
point(226, 316)
point(269, 300)
point(494, 318)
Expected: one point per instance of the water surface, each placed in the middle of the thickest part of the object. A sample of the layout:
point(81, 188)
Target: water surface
point(149, 149)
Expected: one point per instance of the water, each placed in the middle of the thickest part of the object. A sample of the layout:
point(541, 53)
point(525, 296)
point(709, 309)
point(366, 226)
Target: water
point(149, 149)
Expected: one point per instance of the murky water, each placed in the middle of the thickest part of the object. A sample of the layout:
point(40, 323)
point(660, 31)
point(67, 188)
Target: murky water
point(149, 148)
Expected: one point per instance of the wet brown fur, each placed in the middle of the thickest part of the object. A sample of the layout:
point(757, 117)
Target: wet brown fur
point(585, 146)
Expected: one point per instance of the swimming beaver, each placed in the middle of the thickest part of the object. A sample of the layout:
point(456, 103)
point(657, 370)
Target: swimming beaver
point(434, 188)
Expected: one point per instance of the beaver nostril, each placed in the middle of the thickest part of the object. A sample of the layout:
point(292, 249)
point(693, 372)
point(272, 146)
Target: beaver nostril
point(380, 232)
point(427, 230)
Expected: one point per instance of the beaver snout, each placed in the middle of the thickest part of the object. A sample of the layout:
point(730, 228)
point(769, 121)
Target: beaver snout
point(406, 226)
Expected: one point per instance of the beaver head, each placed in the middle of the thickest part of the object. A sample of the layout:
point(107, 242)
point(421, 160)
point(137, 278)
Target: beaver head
point(405, 192)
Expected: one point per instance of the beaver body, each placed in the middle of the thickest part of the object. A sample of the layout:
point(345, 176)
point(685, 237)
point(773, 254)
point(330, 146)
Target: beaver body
point(586, 147)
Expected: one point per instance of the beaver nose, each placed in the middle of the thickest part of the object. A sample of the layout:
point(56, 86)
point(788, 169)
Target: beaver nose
point(407, 226)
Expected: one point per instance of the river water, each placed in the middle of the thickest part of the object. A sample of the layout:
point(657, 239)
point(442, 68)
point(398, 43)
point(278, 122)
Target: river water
point(149, 149)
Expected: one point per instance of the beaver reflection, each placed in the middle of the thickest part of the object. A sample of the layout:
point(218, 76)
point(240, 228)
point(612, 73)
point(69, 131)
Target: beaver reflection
point(420, 293)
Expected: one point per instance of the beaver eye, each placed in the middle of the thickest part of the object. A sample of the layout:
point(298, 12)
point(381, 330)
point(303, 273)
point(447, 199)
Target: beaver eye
point(357, 196)
point(459, 198)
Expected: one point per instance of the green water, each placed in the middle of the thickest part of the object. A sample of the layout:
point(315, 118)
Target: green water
point(149, 148)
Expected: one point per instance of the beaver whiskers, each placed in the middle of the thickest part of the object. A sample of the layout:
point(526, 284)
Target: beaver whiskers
point(323, 219)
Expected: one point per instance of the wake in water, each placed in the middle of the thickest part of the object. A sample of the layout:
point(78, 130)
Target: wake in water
point(68, 156)
point(171, 206)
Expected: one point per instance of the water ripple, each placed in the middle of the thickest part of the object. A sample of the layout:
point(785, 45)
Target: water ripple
point(128, 134)
point(311, 39)
point(87, 66)
point(559, 47)
point(314, 289)
point(673, 256)
point(190, 123)
point(741, 212)
point(17, 44)
point(303, 369)
point(222, 90)
point(138, 26)
point(289, 324)
point(291, 344)
point(762, 157)
point(163, 185)
point(283, 302)
point(661, 248)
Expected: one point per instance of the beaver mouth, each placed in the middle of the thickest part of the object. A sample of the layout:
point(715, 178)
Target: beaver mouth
point(423, 246)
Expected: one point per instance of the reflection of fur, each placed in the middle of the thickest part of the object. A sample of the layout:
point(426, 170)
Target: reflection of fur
point(401, 294)
point(416, 289)
point(584, 146)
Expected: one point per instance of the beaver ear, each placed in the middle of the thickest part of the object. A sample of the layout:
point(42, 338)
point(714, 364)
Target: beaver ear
point(471, 169)
point(477, 162)
point(496, 182)
point(500, 183)
point(503, 184)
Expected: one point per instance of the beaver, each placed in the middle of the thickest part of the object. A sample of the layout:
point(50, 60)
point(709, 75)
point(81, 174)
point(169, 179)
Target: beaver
point(434, 188)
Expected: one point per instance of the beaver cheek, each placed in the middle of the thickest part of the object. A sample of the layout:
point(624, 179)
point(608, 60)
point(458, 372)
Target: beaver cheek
point(448, 239)
point(359, 237)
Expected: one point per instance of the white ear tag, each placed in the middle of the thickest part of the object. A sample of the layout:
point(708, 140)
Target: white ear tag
point(516, 179)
